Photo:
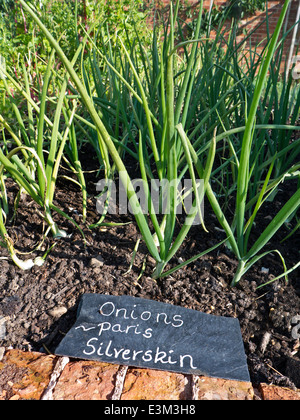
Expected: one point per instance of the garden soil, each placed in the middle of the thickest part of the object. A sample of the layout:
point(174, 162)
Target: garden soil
point(38, 307)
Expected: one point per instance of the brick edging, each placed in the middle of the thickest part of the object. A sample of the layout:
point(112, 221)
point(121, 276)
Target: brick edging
point(36, 376)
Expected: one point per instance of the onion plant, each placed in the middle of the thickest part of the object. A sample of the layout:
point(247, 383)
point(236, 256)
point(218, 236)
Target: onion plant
point(164, 153)
point(33, 150)
point(279, 105)
point(239, 232)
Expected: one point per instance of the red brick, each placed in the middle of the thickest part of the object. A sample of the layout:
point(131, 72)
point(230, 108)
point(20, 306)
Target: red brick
point(221, 389)
point(145, 384)
point(24, 375)
point(272, 392)
point(85, 380)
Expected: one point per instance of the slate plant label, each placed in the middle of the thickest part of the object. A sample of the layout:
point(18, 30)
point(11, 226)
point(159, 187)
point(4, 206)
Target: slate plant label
point(145, 333)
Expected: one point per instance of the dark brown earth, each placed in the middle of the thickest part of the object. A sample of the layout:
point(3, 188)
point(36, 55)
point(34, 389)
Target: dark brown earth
point(40, 304)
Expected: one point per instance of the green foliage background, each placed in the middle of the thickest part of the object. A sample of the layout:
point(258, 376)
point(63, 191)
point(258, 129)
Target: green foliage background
point(241, 7)
point(19, 33)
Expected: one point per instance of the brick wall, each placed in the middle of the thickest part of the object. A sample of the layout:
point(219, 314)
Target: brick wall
point(257, 23)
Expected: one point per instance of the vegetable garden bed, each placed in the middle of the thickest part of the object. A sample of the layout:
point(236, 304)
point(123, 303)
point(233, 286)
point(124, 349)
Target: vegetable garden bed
point(119, 109)
point(40, 305)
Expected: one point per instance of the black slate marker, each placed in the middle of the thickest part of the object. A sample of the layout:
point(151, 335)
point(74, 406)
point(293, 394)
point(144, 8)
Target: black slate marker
point(145, 333)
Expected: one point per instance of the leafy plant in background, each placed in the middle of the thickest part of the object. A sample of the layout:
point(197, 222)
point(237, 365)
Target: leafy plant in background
point(233, 9)
point(20, 37)
point(19, 34)
point(250, 6)
point(66, 20)
point(238, 8)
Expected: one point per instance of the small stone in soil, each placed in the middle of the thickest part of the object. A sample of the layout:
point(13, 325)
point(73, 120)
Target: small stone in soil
point(3, 320)
point(57, 311)
point(97, 262)
point(264, 270)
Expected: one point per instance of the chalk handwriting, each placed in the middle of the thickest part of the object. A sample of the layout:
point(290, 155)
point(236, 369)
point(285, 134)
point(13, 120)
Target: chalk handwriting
point(156, 356)
point(109, 309)
point(132, 321)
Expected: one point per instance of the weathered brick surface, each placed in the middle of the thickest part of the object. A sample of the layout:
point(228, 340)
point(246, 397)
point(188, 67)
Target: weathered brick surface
point(145, 384)
point(24, 375)
point(85, 380)
point(272, 392)
point(221, 389)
